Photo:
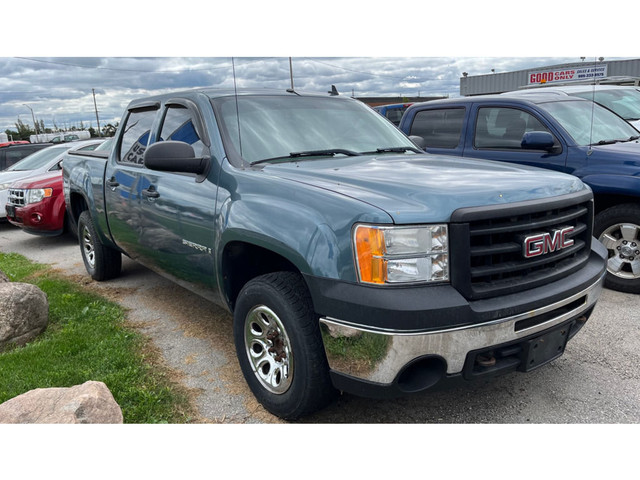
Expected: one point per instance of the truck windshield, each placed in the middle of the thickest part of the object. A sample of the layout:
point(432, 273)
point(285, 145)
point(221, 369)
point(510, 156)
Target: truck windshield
point(294, 128)
point(589, 123)
point(624, 101)
point(38, 159)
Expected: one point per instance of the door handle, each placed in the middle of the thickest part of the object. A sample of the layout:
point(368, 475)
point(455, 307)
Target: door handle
point(150, 192)
point(112, 183)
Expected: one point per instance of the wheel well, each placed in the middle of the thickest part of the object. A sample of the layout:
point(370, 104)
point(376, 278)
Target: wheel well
point(78, 205)
point(243, 261)
point(604, 201)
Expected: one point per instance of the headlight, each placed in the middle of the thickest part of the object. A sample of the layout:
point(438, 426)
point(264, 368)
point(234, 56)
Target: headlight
point(5, 186)
point(36, 195)
point(397, 255)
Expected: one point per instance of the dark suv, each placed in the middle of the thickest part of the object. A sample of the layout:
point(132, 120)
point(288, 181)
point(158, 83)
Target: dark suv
point(11, 152)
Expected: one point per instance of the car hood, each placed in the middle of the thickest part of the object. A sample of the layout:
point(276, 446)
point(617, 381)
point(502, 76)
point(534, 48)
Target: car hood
point(49, 179)
point(12, 176)
point(427, 188)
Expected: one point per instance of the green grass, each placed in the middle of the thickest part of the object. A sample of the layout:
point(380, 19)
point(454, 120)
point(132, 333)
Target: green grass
point(87, 339)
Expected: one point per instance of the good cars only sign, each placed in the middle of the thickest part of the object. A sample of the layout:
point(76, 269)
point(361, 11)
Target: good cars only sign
point(541, 77)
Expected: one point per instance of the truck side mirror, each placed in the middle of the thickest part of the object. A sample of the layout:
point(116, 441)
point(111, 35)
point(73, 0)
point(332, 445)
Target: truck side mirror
point(537, 141)
point(172, 156)
point(419, 141)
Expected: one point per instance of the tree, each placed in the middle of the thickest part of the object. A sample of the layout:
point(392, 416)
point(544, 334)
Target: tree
point(109, 130)
point(24, 131)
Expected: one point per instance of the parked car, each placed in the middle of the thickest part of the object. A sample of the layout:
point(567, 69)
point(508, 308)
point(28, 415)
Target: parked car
point(36, 203)
point(558, 132)
point(44, 160)
point(13, 152)
point(392, 112)
point(623, 100)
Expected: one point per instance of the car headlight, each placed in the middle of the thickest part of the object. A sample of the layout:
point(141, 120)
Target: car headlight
point(5, 186)
point(398, 255)
point(36, 195)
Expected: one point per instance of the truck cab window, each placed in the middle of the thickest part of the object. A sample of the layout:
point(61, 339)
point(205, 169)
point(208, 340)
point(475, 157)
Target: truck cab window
point(439, 128)
point(135, 136)
point(500, 127)
point(178, 126)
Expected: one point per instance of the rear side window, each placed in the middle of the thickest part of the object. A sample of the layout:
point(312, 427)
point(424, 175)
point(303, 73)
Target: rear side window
point(18, 154)
point(439, 128)
point(502, 127)
point(178, 126)
point(136, 136)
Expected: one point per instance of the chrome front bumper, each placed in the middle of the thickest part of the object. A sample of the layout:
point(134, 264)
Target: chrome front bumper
point(379, 356)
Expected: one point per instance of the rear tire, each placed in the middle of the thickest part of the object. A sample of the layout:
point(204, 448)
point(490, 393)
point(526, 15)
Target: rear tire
point(279, 346)
point(618, 229)
point(101, 262)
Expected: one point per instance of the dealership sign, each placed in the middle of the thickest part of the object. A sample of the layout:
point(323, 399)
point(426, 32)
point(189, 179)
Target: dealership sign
point(541, 77)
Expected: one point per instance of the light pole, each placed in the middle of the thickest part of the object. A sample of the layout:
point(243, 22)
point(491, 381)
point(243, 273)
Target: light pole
point(35, 125)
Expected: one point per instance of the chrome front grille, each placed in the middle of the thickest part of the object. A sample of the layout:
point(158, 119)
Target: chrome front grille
point(16, 197)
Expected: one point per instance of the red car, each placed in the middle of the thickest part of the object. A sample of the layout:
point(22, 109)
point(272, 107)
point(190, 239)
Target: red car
point(37, 204)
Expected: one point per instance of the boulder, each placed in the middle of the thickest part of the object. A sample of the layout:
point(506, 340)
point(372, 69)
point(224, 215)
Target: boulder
point(3, 277)
point(24, 313)
point(91, 402)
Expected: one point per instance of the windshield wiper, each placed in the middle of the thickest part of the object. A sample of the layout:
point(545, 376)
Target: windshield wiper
point(396, 150)
point(609, 142)
point(331, 151)
point(311, 153)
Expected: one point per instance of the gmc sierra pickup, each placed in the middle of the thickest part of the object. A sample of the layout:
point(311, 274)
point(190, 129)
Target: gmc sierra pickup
point(350, 260)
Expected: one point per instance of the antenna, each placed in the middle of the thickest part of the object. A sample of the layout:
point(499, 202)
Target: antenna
point(593, 106)
point(235, 91)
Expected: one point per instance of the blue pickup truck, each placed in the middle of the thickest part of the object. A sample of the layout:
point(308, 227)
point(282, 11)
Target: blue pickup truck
point(350, 260)
point(562, 133)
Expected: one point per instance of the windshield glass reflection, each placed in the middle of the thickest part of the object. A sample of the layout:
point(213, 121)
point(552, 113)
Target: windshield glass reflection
point(274, 127)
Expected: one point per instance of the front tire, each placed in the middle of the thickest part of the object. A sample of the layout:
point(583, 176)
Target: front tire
point(101, 262)
point(618, 229)
point(279, 346)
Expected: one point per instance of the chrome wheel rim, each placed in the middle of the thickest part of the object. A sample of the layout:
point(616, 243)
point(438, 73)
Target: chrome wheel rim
point(87, 247)
point(268, 349)
point(623, 243)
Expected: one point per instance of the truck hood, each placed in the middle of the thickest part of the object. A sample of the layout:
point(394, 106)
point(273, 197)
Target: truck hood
point(630, 148)
point(427, 188)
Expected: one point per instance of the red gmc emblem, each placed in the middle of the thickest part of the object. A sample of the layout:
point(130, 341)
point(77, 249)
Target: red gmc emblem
point(543, 243)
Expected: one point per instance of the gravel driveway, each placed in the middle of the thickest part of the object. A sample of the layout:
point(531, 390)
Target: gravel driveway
point(597, 380)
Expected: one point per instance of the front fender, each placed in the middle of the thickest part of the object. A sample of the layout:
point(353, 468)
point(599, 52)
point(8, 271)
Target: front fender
point(613, 184)
point(295, 232)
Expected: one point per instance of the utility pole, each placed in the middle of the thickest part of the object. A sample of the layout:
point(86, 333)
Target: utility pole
point(35, 125)
point(291, 72)
point(96, 108)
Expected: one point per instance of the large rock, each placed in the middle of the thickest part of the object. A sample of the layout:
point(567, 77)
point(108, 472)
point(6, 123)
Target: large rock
point(91, 402)
point(24, 313)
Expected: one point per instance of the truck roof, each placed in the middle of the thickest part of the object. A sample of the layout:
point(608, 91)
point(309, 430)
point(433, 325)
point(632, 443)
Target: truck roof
point(533, 98)
point(227, 92)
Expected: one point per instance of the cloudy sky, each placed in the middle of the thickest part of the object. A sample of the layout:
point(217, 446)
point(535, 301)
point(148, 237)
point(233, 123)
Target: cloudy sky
point(60, 90)
point(54, 68)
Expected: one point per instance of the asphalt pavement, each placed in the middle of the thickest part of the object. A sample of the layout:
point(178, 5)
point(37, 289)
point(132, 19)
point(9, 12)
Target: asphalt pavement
point(596, 381)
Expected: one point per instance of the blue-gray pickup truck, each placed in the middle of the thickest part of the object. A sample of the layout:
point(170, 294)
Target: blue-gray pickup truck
point(350, 260)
